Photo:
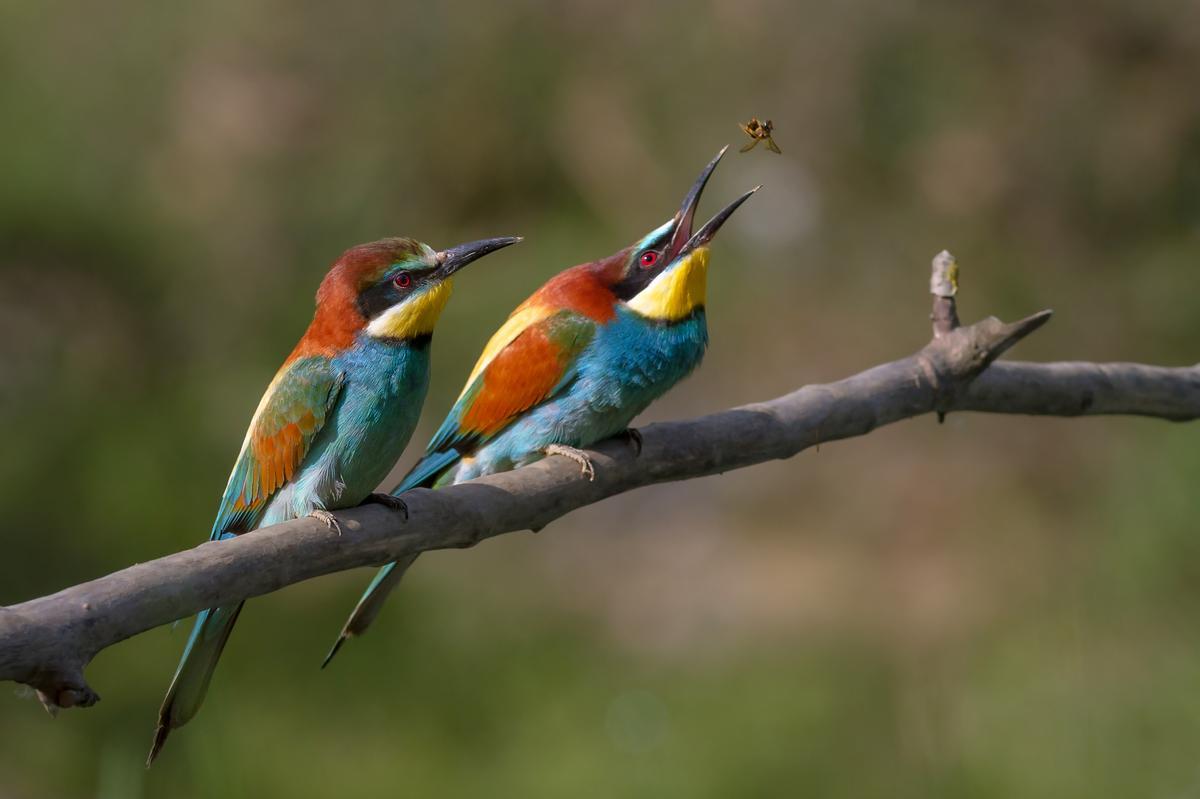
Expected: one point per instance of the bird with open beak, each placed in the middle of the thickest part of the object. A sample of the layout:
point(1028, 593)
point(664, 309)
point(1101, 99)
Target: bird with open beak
point(573, 365)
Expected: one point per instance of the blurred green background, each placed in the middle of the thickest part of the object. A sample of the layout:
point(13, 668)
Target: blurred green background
point(995, 607)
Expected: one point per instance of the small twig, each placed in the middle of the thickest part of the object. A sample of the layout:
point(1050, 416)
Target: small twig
point(943, 285)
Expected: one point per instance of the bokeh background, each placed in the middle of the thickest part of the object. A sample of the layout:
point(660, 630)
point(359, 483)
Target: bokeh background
point(995, 607)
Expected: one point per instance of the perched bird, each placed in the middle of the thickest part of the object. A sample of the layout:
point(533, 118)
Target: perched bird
point(573, 365)
point(333, 421)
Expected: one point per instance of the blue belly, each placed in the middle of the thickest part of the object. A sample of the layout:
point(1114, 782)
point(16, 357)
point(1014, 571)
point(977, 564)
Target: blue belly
point(376, 413)
point(630, 363)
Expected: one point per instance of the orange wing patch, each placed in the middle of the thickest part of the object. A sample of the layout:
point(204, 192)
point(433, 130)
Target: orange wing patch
point(519, 377)
point(279, 455)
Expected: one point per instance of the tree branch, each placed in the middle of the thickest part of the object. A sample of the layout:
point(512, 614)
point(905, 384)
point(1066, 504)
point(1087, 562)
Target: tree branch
point(47, 642)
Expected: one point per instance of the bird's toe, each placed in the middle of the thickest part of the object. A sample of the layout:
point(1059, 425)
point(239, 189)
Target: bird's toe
point(390, 502)
point(579, 456)
point(328, 518)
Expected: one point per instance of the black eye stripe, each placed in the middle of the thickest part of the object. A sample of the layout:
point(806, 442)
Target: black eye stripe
point(639, 275)
point(376, 299)
point(386, 293)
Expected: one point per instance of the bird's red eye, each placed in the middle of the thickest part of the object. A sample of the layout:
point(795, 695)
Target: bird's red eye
point(648, 259)
point(402, 280)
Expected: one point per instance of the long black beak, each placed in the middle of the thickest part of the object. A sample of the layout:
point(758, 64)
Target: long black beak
point(687, 211)
point(705, 234)
point(455, 258)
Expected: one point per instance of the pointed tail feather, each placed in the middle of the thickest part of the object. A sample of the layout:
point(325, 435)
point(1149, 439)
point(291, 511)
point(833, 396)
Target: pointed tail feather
point(427, 473)
point(371, 603)
point(184, 697)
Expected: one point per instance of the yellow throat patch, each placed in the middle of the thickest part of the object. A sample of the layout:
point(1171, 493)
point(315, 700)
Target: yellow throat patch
point(416, 316)
point(677, 292)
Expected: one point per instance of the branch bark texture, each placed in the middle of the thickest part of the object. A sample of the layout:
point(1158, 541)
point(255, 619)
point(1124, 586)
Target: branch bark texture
point(47, 642)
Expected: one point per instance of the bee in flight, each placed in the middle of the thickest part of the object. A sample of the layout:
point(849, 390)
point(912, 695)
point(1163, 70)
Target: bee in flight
point(759, 131)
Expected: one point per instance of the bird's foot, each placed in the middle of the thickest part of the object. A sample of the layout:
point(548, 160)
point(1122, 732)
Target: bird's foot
point(577, 455)
point(328, 518)
point(390, 502)
point(634, 437)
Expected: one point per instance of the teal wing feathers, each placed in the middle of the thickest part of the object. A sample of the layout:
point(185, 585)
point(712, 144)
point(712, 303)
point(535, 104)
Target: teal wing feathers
point(292, 411)
point(427, 470)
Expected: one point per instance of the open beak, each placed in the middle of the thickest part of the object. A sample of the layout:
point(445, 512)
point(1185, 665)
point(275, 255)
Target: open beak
point(682, 240)
point(455, 258)
point(705, 234)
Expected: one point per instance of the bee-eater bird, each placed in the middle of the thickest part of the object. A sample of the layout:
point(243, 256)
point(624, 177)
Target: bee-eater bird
point(573, 365)
point(334, 420)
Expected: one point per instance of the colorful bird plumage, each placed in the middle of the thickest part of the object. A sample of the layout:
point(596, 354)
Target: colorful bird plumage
point(334, 419)
point(573, 365)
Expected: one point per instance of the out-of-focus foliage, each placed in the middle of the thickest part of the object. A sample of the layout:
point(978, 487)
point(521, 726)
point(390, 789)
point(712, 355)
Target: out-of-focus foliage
point(995, 607)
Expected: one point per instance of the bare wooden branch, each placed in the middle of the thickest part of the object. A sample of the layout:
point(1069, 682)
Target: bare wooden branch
point(47, 642)
point(1078, 388)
